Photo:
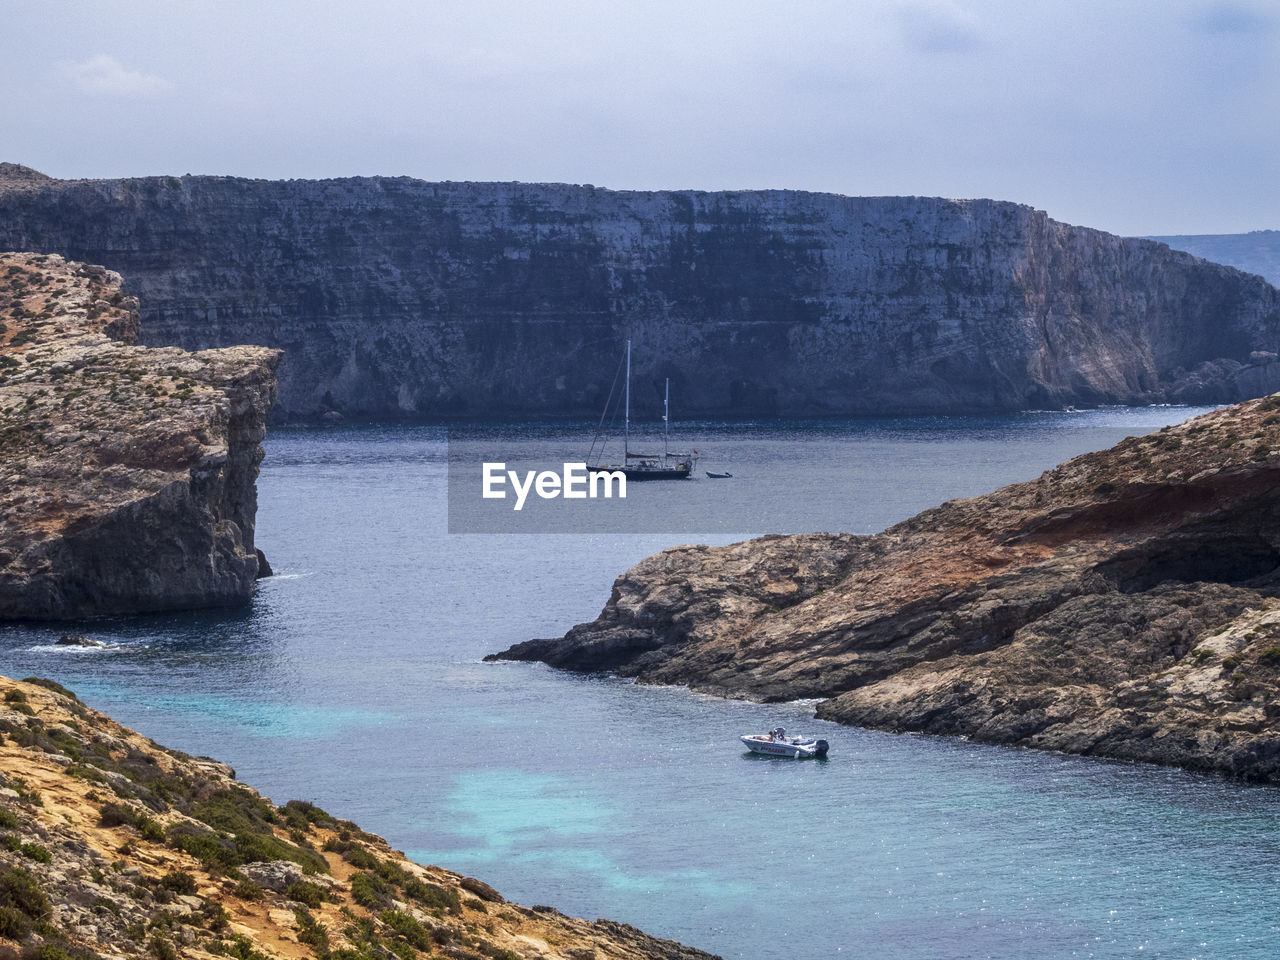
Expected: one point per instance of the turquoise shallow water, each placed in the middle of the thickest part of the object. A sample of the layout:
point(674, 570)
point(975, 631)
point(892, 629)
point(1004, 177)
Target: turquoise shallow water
point(355, 680)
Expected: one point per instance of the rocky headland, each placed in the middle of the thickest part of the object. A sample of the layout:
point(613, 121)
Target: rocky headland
point(112, 847)
point(1256, 252)
point(395, 297)
point(1125, 604)
point(127, 473)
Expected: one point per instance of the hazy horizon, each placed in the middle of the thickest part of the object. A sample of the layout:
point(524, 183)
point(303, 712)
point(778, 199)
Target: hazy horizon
point(1143, 118)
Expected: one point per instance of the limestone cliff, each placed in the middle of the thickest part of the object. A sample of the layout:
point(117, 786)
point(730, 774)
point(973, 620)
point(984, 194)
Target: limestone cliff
point(398, 297)
point(1125, 604)
point(127, 474)
point(112, 846)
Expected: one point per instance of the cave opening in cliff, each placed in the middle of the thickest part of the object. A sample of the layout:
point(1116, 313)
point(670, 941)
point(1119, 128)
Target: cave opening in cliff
point(1212, 560)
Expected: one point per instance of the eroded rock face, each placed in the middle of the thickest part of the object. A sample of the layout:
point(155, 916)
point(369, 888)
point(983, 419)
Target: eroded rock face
point(127, 474)
point(1123, 604)
point(395, 297)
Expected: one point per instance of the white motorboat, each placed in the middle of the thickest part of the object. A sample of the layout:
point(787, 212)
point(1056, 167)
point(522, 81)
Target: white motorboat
point(776, 743)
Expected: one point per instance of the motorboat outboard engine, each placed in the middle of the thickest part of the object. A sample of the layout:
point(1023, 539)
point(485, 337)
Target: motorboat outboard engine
point(821, 750)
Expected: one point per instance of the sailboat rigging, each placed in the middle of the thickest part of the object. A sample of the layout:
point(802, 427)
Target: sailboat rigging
point(636, 465)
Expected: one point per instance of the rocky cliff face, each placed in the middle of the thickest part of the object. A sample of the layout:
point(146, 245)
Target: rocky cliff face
point(127, 474)
point(398, 297)
point(1124, 604)
point(112, 846)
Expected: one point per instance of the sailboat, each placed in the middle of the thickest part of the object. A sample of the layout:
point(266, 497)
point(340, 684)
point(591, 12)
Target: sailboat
point(647, 466)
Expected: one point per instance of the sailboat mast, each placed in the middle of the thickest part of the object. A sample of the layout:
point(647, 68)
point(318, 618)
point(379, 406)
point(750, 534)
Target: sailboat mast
point(626, 421)
point(666, 416)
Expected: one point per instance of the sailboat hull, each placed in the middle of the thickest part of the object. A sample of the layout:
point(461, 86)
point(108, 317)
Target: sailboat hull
point(637, 473)
point(660, 473)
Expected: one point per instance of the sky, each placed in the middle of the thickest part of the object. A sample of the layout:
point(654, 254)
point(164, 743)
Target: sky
point(1135, 116)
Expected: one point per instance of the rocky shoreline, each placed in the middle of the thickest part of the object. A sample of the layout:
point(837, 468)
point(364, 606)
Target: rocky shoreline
point(112, 846)
point(127, 473)
point(1124, 604)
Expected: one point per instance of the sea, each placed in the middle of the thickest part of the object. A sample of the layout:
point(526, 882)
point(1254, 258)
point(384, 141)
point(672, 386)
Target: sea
point(355, 679)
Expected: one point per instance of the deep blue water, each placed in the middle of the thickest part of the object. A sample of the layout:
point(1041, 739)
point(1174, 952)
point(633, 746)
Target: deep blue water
point(354, 680)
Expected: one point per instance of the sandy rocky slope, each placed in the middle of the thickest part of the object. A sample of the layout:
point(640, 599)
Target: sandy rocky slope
point(113, 846)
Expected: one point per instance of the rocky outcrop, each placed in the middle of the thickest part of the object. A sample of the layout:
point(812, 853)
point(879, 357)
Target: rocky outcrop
point(127, 474)
point(395, 297)
point(1124, 604)
point(115, 847)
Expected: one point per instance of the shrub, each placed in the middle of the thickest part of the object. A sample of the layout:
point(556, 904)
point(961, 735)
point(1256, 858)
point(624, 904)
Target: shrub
point(20, 890)
point(51, 685)
point(115, 815)
point(8, 820)
point(36, 852)
point(434, 897)
point(408, 928)
point(236, 811)
point(150, 829)
point(303, 891)
point(15, 696)
point(14, 924)
point(393, 873)
point(218, 849)
point(361, 858)
point(248, 890)
point(162, 949)
point(82, 771)
point(215, 915)
point(26, 792)
point(208, 847)
point(370, 890)
point(179, 881)
point(52, 951)
point(310, 932)
point(1270, 656)
point(302, 813)
point(241, 947)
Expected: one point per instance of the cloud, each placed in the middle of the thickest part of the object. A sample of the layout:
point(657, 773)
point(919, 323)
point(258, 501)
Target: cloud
point(104, 75)
point(938, 27)
point(1231, 18)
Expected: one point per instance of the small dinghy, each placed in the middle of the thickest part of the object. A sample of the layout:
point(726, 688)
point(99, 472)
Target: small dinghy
point(717, 476)
point(776, 743)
